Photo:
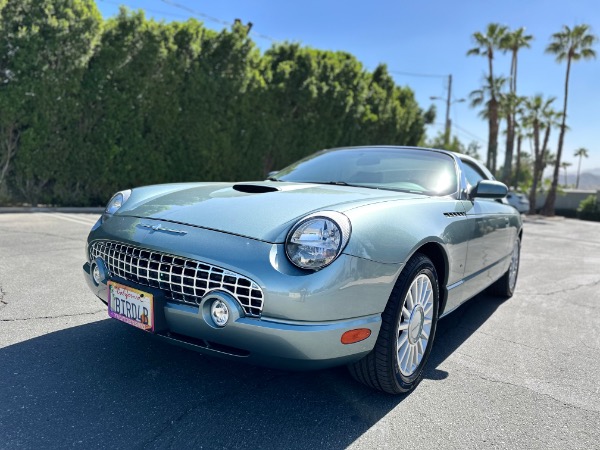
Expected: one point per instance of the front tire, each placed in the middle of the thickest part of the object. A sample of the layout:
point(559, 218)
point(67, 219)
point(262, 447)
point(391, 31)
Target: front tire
point(407, 331)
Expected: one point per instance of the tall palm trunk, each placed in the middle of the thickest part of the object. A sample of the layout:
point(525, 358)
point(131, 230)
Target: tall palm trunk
point(510, 122)
point(543, 155)
point(578, 172)
point(518, 169)
point(510, 145)
point(494, 127)
point(10, 144)
point(493, 120)
point(548, 209)
point(536, 167)
point(544, 152)
point(490, 150)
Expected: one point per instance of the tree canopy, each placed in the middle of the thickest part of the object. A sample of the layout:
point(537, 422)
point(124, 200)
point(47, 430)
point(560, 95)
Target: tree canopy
point(90, 106)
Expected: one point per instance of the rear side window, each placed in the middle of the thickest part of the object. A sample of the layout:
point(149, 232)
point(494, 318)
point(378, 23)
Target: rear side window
point(472, 173)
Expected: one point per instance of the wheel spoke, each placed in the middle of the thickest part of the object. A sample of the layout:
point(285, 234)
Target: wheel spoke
point(405, 358)
point(428, 309)
point(405, 313)
point(403, 326)
point(427, 298)
point(411, 361)
point(415, 289)
point(514, 266)
point(420, 348)
point(424, 289)
point(402, 340)
point(403, 350)
point(424, 334)
point(427, 327)
point(410, 304)
point(415, 361)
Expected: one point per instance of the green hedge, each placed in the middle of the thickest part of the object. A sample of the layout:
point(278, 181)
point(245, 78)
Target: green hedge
point(88, 106)
point(589, 209)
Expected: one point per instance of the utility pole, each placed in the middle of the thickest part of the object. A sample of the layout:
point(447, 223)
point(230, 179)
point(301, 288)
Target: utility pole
point(448, 103)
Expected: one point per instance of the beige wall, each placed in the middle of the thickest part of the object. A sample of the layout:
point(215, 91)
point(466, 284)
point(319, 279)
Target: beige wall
point(569, 200)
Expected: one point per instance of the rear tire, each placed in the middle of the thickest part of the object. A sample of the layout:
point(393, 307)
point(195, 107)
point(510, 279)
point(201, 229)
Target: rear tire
point(408, 324)
point(505, 286)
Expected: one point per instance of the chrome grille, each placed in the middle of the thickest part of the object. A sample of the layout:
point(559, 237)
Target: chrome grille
point(180, 279)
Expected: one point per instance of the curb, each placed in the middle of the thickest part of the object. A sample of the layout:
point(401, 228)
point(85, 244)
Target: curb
point(70, 210)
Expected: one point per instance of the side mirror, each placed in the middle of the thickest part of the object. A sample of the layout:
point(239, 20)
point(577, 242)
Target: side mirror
point(489, 189)
point(272, 173)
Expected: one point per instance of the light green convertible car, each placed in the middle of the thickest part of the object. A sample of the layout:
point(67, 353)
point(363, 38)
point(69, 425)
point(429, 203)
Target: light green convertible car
point(349, 256)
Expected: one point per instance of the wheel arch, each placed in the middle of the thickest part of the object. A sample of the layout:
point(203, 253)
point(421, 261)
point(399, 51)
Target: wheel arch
point(436, 253)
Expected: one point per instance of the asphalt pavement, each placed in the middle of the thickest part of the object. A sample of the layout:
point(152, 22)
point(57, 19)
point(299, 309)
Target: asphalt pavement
point(522, 373)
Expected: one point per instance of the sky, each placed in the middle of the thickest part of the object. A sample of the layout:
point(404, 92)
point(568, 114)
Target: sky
point(422, 42)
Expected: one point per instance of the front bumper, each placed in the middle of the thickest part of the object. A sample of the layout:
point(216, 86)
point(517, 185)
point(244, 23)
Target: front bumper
point(265, 341)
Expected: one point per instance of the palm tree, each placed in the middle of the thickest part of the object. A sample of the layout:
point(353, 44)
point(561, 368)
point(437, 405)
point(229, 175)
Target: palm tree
point(489, 96)
point(512, 42)
point(509, 104)
point(486, 43)
point(551, 119)
point(483, 95)
point(539, 116)
point(581, 153)
point(564, 165)
point(567, 45)
point(520, 132)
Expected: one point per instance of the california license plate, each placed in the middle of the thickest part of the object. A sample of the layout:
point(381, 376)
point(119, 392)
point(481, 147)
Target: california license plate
point(131, 306)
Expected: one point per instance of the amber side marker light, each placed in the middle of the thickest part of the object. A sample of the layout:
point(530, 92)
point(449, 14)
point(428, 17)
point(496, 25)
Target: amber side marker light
point(353, 336)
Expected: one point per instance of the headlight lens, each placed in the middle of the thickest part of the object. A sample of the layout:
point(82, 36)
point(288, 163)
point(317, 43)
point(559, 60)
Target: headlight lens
point(116, 202)
point(317, 240)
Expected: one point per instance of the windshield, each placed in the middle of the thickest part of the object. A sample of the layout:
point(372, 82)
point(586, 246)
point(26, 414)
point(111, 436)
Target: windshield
point(410, 170)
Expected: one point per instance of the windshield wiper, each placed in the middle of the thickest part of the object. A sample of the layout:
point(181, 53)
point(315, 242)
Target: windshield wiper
point(336, 183)
point(273, 179)
point(343, 183)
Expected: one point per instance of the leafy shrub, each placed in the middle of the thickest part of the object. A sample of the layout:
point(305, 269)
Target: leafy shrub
point(589, 209)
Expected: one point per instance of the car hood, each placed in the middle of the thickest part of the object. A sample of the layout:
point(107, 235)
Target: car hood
point(262, 211)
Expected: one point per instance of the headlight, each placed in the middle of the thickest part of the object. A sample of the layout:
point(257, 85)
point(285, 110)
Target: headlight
point(317, 240)
point(116, 202)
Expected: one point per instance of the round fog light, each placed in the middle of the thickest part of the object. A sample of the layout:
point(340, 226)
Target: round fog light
point(219, 313)
point(96, 274)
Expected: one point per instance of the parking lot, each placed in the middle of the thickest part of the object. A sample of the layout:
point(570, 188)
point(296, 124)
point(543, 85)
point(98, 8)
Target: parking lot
point(523, 373)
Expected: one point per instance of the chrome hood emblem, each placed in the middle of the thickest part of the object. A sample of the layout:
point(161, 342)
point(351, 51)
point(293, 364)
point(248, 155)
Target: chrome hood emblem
point(159, 227)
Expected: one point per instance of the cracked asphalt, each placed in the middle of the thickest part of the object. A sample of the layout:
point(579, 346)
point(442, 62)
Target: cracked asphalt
point(523, 373)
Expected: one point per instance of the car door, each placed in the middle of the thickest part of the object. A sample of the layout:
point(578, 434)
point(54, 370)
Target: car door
point(492, 235)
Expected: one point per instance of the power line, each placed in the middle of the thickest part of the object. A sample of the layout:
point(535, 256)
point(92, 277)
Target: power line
point(421, 75)
point(191, 11)
point(212, 19)
point(461, 130)
point(197, 13)
point(467, 132)
point(163, 13)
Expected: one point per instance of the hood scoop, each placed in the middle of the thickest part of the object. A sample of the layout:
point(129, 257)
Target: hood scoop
point(254, 188)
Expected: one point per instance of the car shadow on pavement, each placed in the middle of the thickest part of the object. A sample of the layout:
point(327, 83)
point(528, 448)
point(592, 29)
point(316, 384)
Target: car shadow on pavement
point(108, 385)
point(456, 328)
